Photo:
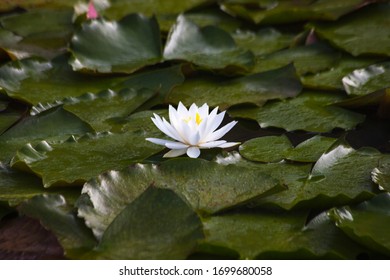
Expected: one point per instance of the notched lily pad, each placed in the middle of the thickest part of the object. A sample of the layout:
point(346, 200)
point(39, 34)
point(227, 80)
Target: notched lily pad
point(110, 46)
point(256, 88)
point(208, 47)
point(310, 111)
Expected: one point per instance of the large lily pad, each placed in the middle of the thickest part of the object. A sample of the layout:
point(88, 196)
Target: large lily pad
point(199, 181)
point(28, 4)
point(55, 215)
point(310, 111)
point(109, 46)
point(361, 32)
point(267, 235)
point(364, 81)
point(35, 80)
point(55, 124)
point(329, 183)
point(367, 223)
point(156, 225)
point(77, 160)
point(256, 88)
point(98, 109)
point(284, 11)
point(7, 119)
point(209, 47)
point(42, 32)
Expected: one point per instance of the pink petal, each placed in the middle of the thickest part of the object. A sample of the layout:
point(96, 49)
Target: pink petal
point(92, 13)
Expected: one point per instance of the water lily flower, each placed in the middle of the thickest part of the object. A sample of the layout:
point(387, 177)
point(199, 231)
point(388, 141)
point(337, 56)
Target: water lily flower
point(193, 129)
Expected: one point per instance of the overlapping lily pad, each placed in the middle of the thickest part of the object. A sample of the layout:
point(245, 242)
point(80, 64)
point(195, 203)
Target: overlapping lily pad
point(367, 223)
point(267, 235)
point(110, 46)
point(256, 88)
point(208, 47)
point(361, 32)
point(310, 111)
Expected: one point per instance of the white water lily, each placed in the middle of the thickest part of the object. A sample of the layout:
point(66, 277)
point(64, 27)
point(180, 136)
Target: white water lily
point(193, 129)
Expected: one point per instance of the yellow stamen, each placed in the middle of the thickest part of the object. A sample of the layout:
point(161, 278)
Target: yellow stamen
point(198, 119)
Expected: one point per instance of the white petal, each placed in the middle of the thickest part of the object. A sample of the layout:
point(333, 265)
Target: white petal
point(212, 144)
point(176, 145)
point(193, 110)
point(163, 127)
point(194, 138)
point(175, 153)
point(204, 111)
point(229, 144)
point(215, 122)
point(193, 152)
point(157, 141)
point(182, 110)
point(220, 132)
point(173, 131)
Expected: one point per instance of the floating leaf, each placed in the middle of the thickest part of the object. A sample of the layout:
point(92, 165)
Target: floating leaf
point(17, 186)
point(330, 183)
point(265, 40)
point(53, 124)
point(89, 155)
point(256, 88)
point(271, 12)
point(199, 181)
point(267, 235)
point(367, 223)
point(208, 47)
point(310, 111)
point(28, 4)
point(98, 109)
point(109, 46)
point(156, 225)
point(381, 175)
point(361, 32)
point(8, 119)
point(368, 80)
point(35, 80)
point(55, 215)
point(42, 32)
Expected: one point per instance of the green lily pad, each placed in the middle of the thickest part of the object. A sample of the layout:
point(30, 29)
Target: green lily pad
point(368, 80)
point(331, 79)
point(77, 160)
point(98, 109)
point(265, 40)
point(330, 183)
point(28, 4)
point(156, 225)
point(36, 81)
point(278, 148)
point(367, 223)
point(361, 32)
point(310, 111)
point(199, 181)
point(284, 11)
point(381, 175)
point(267, 235)
point(55, 124)
point(256, 88)
point(7, 119)
point(110, 46)
point(307, 59)
point(17, 186)
point(42, 32)
point(57, 216)
point(209, 47)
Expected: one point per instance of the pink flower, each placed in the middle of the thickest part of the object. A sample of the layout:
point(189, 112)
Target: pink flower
point(92, 13)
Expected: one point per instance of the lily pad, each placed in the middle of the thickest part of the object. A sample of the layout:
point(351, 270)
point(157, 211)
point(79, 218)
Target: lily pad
point(28, 4)
point(368, 80)
point(110, 46)
point(57, 216)
point(329, 183)
point(209, 47)
point(98, 109)
point(199, 181)
point(310, 111)
point(284, 11)
point(381, 175)
point(267, 235)
point(256, 88)
point(156, 225)
point(42, 32)
point(77, 160)
point(55, 124)
point(264, 41)
point(367, 223)
point(361, 32)
point(36, 81)
point(7, 119)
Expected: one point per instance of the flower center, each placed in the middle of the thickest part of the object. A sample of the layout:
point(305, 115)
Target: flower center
point(198, 119)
